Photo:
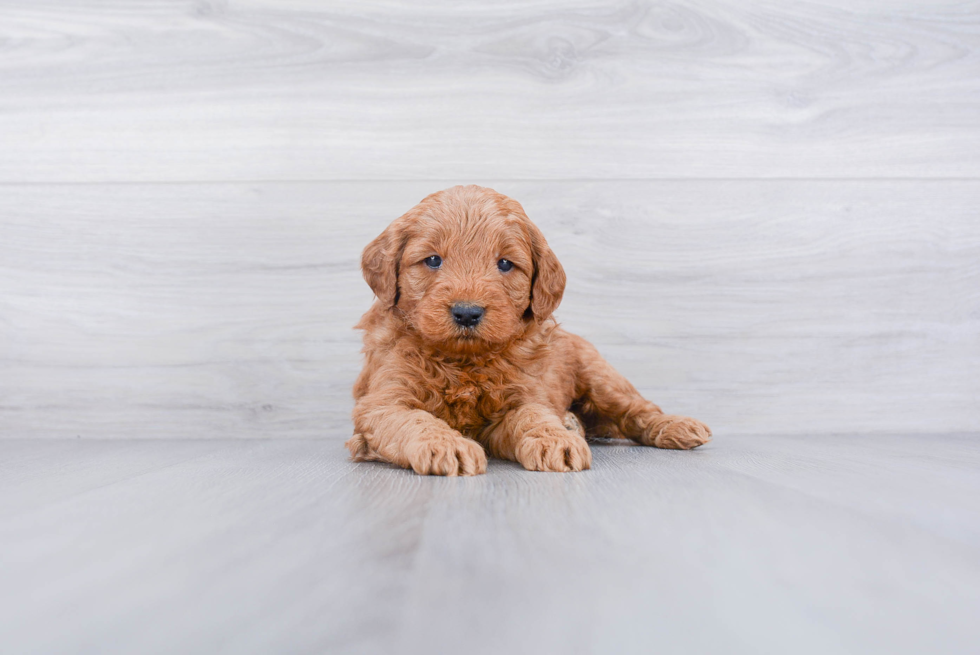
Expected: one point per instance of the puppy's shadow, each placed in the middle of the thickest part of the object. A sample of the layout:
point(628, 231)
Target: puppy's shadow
point(607, 441)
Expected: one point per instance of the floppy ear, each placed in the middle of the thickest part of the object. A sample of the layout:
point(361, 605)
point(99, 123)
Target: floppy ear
point(379, 264)
point(548, 281)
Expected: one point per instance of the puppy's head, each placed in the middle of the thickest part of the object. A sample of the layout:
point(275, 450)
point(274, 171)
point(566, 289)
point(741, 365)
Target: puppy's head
point(466, 269)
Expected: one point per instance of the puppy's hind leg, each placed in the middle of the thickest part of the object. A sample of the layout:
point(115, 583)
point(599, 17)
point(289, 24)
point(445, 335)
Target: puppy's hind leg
point(609, 398)
point(573, 424)
point(361, 451)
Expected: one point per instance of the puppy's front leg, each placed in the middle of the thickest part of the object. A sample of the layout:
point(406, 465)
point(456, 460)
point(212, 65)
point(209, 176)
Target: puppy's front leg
point(413, 438)
point(535, 436)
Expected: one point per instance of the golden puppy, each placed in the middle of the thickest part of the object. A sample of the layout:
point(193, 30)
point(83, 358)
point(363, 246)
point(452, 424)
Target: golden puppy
point(462, 353)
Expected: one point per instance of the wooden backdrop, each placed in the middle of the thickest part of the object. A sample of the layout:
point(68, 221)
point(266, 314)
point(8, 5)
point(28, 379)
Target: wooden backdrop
point(769, 212)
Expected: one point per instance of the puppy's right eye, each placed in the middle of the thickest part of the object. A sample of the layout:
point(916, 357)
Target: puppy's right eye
point(435, 261)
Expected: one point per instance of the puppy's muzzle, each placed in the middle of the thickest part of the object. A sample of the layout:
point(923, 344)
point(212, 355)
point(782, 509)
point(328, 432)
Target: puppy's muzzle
point(467, 315)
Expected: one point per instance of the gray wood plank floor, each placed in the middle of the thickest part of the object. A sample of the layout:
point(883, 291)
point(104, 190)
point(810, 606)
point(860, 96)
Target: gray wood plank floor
point(751, 545)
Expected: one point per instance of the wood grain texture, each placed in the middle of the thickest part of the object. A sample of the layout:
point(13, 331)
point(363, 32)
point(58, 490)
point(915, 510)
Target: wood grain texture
point(189, 311)
point(768, 216)
point(808, 544)
point(273, 90)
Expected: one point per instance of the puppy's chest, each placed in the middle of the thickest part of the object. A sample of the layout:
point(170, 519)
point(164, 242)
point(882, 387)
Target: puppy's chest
point(473, 397)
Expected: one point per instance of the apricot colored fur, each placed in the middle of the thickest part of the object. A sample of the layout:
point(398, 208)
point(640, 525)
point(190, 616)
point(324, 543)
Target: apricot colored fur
point(435, 397)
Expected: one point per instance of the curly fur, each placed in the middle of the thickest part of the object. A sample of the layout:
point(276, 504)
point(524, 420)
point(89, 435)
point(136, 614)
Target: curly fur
point(435, 397)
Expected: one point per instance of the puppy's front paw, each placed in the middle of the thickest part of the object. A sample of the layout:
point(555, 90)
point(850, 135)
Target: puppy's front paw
point(554, 449)
point(677, 432)
point(447, 455)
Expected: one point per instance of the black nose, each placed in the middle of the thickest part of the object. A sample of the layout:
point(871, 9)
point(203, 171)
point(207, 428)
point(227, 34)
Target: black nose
point(467, 315)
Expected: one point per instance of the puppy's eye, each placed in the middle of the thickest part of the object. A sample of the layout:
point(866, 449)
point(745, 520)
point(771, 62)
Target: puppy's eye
point(435, 261)
point(505, 265)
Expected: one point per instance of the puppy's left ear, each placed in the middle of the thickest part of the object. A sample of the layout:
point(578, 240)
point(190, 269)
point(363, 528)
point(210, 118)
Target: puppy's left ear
point(548, 282)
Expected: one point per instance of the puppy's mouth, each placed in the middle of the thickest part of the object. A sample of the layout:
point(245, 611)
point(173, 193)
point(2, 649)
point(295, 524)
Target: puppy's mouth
point(467, 334)
point(468, 339)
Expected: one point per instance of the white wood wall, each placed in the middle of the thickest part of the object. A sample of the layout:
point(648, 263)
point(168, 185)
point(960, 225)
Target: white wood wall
point(769, 211)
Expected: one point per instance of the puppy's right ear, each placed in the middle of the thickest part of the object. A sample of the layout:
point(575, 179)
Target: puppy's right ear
point(379, 264)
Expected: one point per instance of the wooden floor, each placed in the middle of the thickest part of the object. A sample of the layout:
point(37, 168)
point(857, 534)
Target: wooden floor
point(768, 214)
point(820, 544)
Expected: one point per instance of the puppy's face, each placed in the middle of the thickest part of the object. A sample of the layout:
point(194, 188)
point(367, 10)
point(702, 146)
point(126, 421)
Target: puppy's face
point(466, 269)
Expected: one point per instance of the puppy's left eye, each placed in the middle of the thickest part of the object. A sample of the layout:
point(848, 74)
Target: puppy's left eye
point(505, 265)
point(435, 261)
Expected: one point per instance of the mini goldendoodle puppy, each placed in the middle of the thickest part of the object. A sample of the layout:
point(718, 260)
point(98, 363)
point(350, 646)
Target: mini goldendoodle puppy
point(463, 355)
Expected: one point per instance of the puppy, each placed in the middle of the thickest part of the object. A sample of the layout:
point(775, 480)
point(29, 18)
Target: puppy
point(464, 357)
